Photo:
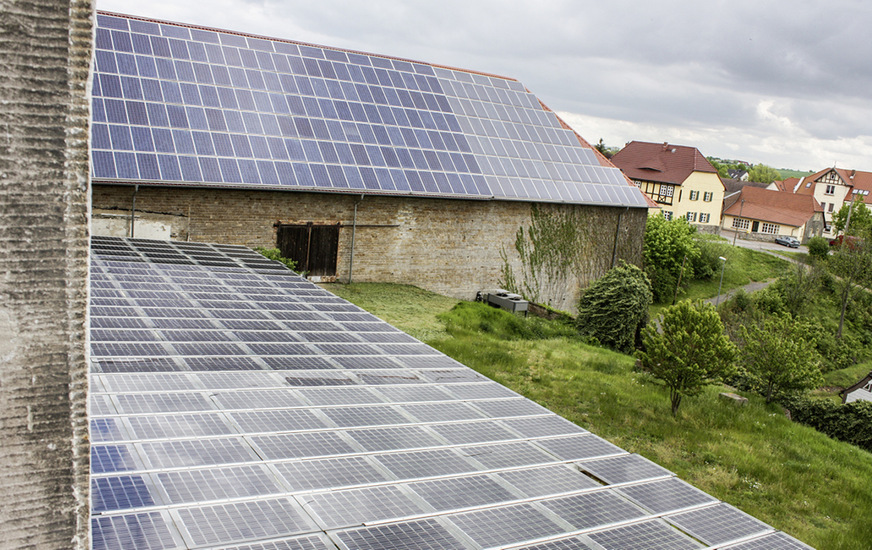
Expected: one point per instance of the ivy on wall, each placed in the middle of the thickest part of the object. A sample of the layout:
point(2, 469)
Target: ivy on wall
point(563, 249)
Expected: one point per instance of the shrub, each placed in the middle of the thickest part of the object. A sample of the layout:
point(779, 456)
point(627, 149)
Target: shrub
point(615, 307)
point(707, 264)
point(276, 254)
point(818, 247)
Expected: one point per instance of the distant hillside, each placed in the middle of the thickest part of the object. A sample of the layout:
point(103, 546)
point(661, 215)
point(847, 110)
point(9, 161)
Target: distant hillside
point(787, 173)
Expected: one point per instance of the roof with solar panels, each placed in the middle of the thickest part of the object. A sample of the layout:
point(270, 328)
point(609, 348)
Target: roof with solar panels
point(183, 105)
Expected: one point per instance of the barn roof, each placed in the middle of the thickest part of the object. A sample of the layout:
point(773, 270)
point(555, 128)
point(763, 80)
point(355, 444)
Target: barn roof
point(234, 404)
point(178, 104)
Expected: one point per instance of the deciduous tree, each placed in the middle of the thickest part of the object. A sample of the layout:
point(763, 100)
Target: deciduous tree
point(780, 357)
point(689, 351)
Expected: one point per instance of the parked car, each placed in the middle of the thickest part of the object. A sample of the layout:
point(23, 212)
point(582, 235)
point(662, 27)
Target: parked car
point(792, 242)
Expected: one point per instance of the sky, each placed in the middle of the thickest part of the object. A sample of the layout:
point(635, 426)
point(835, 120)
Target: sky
point(780, 82)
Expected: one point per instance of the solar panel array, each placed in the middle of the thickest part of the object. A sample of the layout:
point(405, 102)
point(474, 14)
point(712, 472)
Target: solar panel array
point(175, 104)
point(236, 405)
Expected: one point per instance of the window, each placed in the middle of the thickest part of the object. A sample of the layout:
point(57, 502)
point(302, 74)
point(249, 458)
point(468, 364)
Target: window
point(741, 223)
point(707, 196)
point(704, 217)
point(665, 194)
point(694, 195)
point(770, 228)
point(830, 190)
point(830, 207)
point(667, 214)
point(638, 183)
point(691, 216)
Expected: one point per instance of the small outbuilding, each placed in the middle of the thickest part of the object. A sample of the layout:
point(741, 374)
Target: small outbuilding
point(861, 391)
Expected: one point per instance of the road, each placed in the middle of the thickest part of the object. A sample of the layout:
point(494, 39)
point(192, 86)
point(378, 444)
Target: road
point(769, 246)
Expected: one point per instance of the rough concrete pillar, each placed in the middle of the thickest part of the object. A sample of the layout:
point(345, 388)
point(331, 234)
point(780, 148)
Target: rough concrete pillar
point(45, 52)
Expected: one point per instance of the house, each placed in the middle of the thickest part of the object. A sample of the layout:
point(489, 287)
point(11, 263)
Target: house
point(359, 166)
point(861, 391)
point(738, 174)
point(832, 187)
point(678, 178)
point(764, 214)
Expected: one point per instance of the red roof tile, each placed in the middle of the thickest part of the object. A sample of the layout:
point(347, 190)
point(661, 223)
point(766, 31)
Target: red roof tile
point(774, 206)
point(661, 162)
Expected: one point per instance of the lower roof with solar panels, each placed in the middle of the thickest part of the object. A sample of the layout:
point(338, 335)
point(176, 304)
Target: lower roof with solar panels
point(236, 405)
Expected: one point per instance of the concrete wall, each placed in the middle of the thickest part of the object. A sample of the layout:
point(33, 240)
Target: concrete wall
point(447, 246)
point(44, 453)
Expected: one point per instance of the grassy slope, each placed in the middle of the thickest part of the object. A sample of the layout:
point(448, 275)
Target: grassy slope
point(753, 457)
point(743, 266)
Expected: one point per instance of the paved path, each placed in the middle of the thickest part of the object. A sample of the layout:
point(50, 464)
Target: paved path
point(750, 287)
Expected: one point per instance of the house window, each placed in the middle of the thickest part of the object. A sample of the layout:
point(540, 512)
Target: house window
point(694, 195)
point(638, 183)
point(665, 194)
point(691, 216)
point(704, 217)
point(741, 223)
point(831, 206)
point(770, 228)
point(667, 214)
point(707, 196)
point(830, 190)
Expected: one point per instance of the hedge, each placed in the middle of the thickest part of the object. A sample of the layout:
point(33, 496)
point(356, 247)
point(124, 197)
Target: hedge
point(851, 422)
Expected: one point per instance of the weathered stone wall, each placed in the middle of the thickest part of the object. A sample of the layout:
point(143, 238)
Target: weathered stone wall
point(448, 246)
point(45, 53)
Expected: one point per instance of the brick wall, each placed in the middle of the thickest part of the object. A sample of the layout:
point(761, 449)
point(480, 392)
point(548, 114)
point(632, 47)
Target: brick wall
point(448, 246)
point(44, 62)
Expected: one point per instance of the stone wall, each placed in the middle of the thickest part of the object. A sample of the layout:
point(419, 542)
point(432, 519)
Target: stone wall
point(45, 55)
point(448, 246)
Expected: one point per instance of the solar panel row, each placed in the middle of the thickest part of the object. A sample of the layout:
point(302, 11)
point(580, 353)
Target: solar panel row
point(358, 437)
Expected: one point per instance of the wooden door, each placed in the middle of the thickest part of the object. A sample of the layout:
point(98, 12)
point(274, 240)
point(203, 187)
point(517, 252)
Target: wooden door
point(314, 247)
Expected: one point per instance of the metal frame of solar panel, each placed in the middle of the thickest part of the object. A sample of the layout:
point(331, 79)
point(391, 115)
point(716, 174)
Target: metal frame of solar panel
point(202, 437)
point(180, 105)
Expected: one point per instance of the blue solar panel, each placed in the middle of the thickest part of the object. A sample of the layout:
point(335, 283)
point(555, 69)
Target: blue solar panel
point(253, 103)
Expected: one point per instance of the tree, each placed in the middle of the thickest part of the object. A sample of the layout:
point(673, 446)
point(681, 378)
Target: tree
point(861, 218)
point(763, 174)
point(851, 263)
point(615, 307)
point(667, 242)
point(780, 356)
point(689, 352)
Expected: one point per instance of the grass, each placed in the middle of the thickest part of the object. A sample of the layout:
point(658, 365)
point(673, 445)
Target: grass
point(743, 266)
point(845, 378)
point(408, 308)
point(753, 457)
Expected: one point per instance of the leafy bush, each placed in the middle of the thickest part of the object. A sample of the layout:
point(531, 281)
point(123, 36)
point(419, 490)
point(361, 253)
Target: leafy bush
point(276, 254)
point(477, 317)
point(707, 265)
point(667, 243)
point(851, 422)
point(818, 247)
point(779, 356)
point(615, 307)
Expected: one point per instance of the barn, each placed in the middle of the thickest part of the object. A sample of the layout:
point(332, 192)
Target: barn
point(361, 167)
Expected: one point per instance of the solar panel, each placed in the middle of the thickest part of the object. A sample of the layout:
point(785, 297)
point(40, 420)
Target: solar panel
point(651, 535)
point(232, 447)
point(180, 105)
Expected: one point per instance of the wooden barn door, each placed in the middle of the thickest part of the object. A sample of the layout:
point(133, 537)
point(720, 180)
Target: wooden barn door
point(313, 247)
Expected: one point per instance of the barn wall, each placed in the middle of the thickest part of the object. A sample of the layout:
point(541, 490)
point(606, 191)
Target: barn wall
point(444, 245)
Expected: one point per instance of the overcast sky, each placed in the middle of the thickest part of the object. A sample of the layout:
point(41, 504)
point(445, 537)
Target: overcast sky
point(781, 82)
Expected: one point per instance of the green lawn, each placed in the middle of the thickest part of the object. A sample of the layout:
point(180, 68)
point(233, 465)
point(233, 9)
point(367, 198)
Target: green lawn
point(753, 457)
point(743, 266)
